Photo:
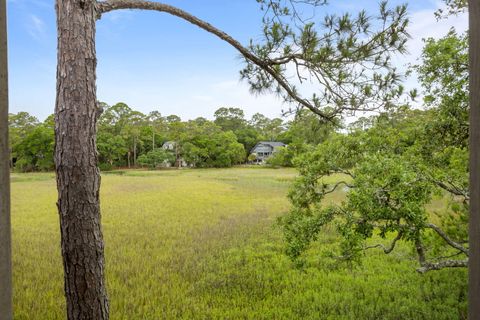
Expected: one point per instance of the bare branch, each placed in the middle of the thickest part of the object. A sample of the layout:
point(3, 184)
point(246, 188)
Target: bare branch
point(366, 81)
point(107, 6)
point(428, 266)
point(447, 239)
point(344, 171)
point(336, 186)
point(453, 189)
point(388, 249)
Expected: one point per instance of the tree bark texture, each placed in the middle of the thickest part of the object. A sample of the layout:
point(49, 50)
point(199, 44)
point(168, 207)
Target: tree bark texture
point(5, 229)
point(474, 223)
point(78, 177)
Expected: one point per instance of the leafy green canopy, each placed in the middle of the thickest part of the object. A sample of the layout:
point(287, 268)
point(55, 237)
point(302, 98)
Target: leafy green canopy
point(126, 137)
point(387, 184)
point(156, 158)
point(208, 146)
point(31, 142)
point(392, 166)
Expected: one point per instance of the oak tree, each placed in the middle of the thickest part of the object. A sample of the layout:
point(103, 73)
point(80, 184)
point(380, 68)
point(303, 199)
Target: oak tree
point(393, 165)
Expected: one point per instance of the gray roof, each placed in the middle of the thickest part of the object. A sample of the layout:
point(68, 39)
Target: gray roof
point(273, 144)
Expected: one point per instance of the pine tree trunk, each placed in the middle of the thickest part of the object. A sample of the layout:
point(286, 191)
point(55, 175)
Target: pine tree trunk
point(78, 178)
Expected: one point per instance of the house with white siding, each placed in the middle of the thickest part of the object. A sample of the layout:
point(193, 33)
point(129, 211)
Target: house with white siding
point(264, 149)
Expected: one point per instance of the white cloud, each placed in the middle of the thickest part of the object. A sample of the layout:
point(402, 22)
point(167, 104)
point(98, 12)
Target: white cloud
point(190, 100)
point(423, 24)
point(36, 27)
point(203, 98)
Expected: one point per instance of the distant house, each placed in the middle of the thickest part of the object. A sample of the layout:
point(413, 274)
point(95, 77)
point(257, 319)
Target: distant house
point(172, 146)
point(169, 145)
point(265, 149)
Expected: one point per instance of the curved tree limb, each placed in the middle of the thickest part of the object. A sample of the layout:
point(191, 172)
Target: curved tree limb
point(390, 248)
point(426, 266)
point(452, 188)
point(110, 5)
point(429, 266)
point(332, 189)
point(447, 239)
point(349, 62)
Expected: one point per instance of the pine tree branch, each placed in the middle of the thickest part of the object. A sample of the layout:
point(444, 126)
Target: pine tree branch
point(107, 6)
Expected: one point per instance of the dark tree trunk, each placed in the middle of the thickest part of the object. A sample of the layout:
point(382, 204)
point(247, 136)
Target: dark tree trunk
point(474, 227)
point(78, 177)
point(5, 233)
point(177, 156)
point(153, 140)
point(134, 152)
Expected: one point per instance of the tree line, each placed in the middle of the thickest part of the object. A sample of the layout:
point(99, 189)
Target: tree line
point(129, 138)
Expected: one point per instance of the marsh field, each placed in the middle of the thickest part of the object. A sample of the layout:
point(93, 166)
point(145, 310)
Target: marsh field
point(203, 244)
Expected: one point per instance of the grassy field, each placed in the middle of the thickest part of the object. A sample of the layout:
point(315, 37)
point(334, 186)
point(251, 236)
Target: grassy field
point(202, 244)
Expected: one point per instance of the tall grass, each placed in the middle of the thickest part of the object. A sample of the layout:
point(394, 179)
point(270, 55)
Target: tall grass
point(202, 244)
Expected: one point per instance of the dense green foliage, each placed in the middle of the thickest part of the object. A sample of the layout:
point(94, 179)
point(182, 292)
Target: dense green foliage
point(209, 146)
point(199, 244)
point(128, 138)
point(31, 142)
point(394, 165)
point(306, 131)
point(156, 158)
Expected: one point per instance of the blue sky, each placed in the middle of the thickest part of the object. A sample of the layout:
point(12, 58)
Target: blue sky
point(153, 61)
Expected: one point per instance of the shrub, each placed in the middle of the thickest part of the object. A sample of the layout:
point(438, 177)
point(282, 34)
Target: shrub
point(156, 158)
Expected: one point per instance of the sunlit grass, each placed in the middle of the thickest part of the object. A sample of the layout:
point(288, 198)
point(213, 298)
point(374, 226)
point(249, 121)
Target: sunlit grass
point(202, 244)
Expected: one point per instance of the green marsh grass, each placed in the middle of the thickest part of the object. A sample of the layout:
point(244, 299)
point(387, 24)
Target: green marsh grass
point(202, 244)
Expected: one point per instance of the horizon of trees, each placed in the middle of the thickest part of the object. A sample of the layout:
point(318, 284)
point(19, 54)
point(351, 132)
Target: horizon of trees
point(129, 138)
